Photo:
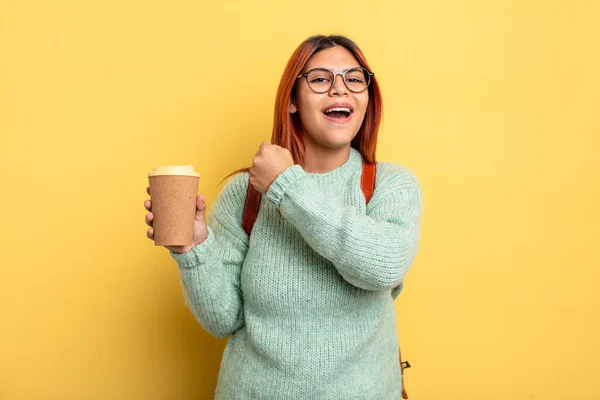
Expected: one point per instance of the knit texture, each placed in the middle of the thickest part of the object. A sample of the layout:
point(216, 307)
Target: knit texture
point(308, 299)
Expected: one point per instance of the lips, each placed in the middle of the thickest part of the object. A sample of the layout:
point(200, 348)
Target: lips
point(339, 112)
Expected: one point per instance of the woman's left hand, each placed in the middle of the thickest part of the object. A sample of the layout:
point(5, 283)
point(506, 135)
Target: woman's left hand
point(268, 163)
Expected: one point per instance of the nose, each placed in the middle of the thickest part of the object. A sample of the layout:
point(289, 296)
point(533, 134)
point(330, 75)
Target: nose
point(339, 87)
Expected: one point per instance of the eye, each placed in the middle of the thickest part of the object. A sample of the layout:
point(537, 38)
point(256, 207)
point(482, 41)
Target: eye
point(355, 76)
point(353, 79)
point(319, 77)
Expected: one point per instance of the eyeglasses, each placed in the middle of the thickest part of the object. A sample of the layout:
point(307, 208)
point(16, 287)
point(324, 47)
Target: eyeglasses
point(321, 80)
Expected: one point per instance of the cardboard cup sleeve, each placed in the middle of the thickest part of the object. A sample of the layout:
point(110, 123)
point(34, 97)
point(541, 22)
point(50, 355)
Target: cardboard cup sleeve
point(174, 206)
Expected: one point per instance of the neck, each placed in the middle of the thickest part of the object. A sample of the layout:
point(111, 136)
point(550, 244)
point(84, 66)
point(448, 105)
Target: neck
point(323, 160)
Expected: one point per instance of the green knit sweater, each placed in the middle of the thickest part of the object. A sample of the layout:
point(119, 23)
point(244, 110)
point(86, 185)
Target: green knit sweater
point(308, 299)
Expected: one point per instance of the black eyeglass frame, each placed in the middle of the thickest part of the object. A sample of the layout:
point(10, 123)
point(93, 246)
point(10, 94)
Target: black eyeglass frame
point(368, 74)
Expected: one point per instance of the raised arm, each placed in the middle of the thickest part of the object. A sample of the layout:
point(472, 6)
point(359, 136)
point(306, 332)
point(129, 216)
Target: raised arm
point(372, 251)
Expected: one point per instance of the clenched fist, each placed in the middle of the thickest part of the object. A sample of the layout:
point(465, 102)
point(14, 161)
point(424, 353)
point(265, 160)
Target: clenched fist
point(268, 163)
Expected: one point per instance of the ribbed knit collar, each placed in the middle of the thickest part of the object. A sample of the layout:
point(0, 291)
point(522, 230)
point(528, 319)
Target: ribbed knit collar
point(341, 173)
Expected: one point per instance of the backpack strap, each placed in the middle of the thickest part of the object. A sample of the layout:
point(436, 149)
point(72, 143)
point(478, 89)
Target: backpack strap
point(403, 366)
point(367, 180)
point(253, 197)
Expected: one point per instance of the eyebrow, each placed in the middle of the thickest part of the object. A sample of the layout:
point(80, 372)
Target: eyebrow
point(343, 69)
point(304, 71)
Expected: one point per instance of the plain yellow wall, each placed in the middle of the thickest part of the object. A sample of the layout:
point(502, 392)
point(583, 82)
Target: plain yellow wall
point(494, 105)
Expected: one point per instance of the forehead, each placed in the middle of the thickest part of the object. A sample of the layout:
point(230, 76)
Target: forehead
point(337, 58)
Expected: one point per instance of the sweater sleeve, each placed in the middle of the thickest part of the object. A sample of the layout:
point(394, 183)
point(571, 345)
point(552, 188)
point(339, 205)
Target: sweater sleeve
point(373, 251)
point(210, 272)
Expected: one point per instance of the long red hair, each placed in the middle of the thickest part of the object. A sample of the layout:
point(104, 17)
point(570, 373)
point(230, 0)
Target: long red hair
point(287, 128)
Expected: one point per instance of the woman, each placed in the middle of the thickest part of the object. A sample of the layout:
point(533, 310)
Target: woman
point(308, 297)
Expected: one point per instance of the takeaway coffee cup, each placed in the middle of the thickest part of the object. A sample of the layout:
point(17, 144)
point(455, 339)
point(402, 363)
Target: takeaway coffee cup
point(173, 191)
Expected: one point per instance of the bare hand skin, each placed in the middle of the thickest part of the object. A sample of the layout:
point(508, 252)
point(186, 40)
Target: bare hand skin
point(268, 163)
point(200, 228)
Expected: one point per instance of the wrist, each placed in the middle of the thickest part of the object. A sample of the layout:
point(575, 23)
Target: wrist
point(284, 182)
point(180, 249)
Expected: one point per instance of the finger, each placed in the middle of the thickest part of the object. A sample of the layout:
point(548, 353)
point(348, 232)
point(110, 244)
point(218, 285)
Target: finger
point(150, 233)
point(200, 207)
point(149, 219)
point(148, 190)
point(148, 205)
point(264, 145)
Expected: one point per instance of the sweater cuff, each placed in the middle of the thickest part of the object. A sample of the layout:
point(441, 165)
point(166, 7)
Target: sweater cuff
point(197, 255)
point(283, 182)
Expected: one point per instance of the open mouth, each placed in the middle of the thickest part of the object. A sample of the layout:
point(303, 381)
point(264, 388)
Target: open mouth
point(338, 113)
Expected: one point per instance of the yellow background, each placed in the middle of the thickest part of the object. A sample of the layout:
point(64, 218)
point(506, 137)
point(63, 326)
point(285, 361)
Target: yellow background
point(494, 105)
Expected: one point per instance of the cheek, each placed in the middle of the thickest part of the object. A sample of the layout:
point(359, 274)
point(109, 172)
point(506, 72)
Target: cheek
point(307, 116)
point(308, 108)
point(364, 100)
point(363, 103)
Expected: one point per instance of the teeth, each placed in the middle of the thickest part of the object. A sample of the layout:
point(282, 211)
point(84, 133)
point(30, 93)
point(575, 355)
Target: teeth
point(342, 109)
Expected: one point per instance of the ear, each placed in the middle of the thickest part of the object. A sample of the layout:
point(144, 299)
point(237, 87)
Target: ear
point(292, 107)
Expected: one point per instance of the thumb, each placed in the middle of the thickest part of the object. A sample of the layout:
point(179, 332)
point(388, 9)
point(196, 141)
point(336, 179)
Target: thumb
point(200, 208)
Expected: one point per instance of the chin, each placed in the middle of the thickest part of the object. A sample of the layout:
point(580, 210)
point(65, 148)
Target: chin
point(337, 144)
point(333, 139)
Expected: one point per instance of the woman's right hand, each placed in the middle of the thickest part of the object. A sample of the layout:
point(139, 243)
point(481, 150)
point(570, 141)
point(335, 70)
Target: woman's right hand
point(200, 228)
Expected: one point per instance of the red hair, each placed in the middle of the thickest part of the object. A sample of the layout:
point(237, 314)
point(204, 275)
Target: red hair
point(287, 128)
